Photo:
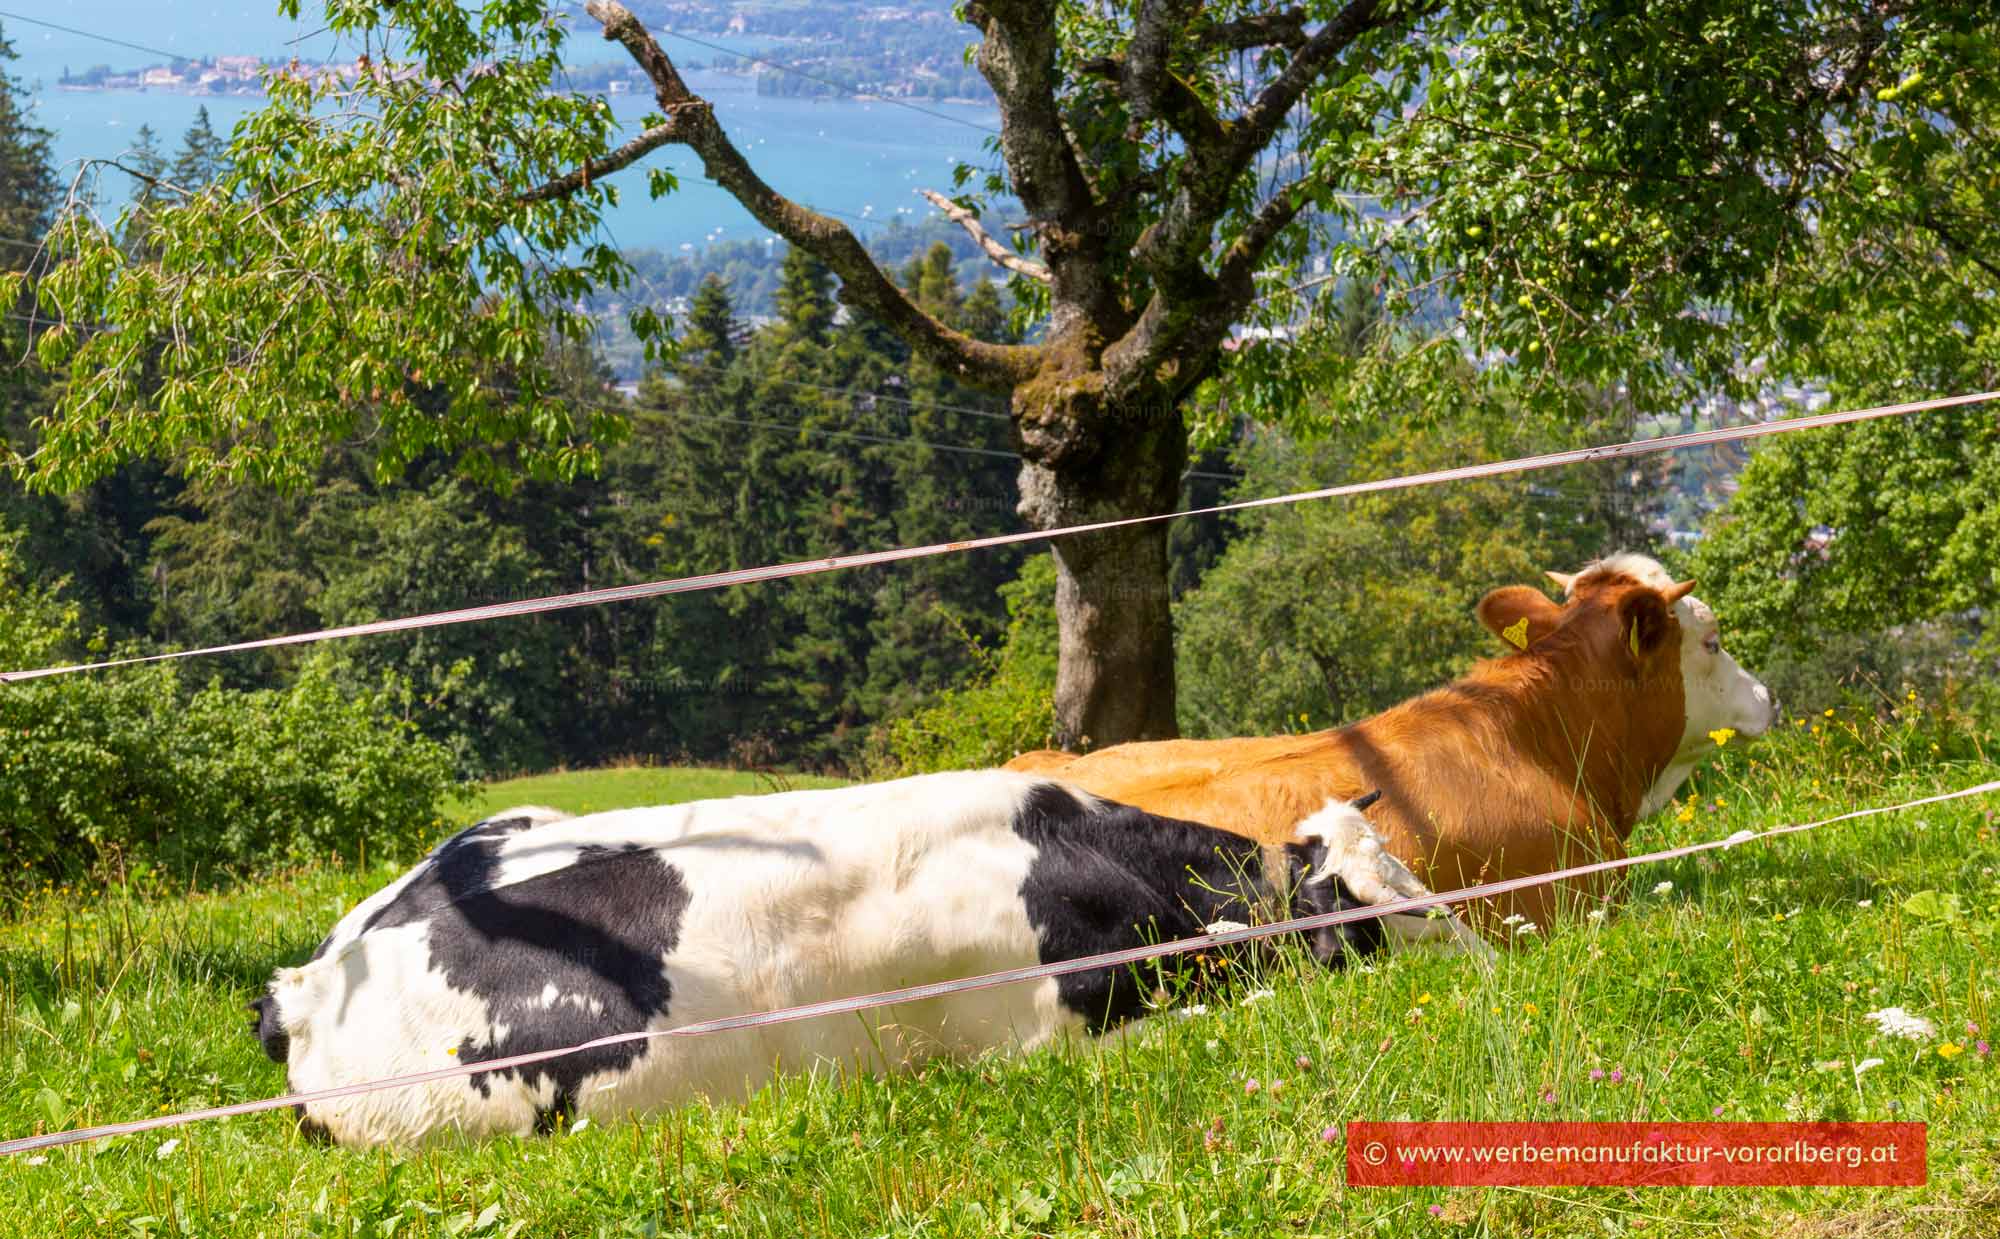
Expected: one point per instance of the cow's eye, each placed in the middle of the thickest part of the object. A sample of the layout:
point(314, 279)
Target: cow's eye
point(1713, 644)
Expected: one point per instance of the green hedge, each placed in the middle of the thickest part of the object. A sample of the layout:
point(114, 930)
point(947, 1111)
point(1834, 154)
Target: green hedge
point(1007, 708)
point(133, 774)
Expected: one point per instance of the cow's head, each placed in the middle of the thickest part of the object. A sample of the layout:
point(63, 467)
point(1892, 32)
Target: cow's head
point(1628, 607)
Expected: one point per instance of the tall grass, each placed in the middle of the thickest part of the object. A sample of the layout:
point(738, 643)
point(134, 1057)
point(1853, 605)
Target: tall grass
point(1740, 990)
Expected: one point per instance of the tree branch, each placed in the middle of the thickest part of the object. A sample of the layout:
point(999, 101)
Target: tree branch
point(1286, 29)
point(1172, 101)
point(1157, 339)
point(1954, 242)
point(1174, 245)
point(596, 169)
point(999, 253)
point(1190, 309)
point(691, 122)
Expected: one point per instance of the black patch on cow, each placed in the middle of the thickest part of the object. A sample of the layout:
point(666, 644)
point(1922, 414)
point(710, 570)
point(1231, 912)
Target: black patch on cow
point(277, 1043)
point(598, 929)
point(1111, 877)
point(469, 853)
point(314, 1131)
point(1332, 943)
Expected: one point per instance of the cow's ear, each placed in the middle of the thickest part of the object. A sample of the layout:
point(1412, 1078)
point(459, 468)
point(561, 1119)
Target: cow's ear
point(1518, 615)
point(1645, 620)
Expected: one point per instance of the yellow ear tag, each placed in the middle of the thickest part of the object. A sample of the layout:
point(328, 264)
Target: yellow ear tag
point(1517, 632)
point(1635, 638)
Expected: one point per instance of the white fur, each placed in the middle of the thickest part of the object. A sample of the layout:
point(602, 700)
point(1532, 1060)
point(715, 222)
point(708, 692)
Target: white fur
point(1355, 853)
point(1718, 692)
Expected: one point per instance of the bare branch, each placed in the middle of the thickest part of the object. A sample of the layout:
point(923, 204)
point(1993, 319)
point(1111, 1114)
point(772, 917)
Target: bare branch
point(690, 121)
point(596, 169)
point(999, 253)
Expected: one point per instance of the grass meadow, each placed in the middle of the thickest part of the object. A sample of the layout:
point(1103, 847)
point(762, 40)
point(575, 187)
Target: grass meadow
point(1738, 991)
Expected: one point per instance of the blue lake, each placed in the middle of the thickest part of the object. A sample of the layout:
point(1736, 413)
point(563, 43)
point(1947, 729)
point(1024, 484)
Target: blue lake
point(864, 160)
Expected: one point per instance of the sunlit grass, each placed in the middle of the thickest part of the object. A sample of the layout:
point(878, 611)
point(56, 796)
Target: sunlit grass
point(593, 791)
point(1740, 990)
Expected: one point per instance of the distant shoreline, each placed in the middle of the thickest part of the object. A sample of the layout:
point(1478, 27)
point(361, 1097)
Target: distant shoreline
point(198, 91)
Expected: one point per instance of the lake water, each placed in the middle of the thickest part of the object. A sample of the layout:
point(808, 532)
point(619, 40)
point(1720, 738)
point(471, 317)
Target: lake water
point(864, 160)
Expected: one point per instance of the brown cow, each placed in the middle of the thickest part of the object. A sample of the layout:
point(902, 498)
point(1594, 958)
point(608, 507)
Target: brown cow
point(1537, 760)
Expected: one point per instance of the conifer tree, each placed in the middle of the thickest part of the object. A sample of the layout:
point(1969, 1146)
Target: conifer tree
point(28, 190)
point(203, 157)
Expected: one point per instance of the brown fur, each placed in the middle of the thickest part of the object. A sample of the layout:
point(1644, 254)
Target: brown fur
point(1534, 761)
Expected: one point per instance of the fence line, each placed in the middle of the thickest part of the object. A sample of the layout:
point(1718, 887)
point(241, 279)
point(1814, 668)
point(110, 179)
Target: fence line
point(775, 572)
point(938, 989)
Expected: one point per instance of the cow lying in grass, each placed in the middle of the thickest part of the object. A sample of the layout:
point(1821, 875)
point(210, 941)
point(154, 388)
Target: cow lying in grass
point(1539, 760)
point(530, 931)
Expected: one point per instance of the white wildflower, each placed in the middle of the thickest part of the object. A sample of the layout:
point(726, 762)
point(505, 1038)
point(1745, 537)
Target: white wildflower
point(1865, 903)
point(1188, 1013)
point(1867, 1064)
point(167, 1150)
point(38, 1160)
point(1526, 927)
point(1896, 1022)
point(1595, 914)
point(1258, 996)
point(1664, 888)
point(1223, 927)
point(1514, 919)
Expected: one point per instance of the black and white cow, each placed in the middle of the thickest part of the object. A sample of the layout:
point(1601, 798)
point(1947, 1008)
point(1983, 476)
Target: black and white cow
point(531, 931)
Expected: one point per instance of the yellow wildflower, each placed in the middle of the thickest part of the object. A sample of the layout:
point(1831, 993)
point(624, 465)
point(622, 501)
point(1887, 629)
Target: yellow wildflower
point(1722, 735)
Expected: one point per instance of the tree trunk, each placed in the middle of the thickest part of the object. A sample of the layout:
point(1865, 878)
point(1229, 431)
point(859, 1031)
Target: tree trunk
point(1085, 461)
point(1115, 680)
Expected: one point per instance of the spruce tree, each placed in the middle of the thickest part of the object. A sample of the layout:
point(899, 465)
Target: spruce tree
point(805, 297)
point(28, 189)
point(707, 347)
point(204, 155)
